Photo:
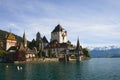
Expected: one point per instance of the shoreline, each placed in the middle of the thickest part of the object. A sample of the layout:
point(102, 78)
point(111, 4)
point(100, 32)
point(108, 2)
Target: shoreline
point(38, 60)
point(43, 60)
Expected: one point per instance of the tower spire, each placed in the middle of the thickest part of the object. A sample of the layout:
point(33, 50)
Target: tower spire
point(78, 45)
point(24, 40)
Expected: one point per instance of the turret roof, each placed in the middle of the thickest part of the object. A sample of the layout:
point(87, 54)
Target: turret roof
point(45, 40)
point(57, 28)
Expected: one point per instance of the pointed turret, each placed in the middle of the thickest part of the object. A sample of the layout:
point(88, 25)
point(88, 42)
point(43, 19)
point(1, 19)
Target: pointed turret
point(78, 47)
point(24, 40)
point(45, 40)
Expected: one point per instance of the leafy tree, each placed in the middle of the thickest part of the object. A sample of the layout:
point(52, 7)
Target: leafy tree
point(50, 53)
point(40, 54)
point(2, 53)
point(86, 52)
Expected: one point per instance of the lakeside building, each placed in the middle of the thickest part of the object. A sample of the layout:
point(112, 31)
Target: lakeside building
point(58, 47)
point(17, 51)
point(58, 42)
point(8, 41)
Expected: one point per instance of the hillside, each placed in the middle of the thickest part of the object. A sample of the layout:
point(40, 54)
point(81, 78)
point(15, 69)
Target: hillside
point(3, 33)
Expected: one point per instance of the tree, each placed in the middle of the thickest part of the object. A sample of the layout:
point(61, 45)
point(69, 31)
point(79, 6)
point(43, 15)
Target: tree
point(40, 54)
point(32, 44)
point(2, 53)
point(50, 53)
point(86, 52)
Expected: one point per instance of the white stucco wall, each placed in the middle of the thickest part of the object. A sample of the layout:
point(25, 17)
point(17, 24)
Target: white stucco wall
point(58, 36)
point(10, 43)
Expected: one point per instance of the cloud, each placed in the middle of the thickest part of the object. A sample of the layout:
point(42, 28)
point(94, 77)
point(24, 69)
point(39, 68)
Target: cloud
point(93, 23)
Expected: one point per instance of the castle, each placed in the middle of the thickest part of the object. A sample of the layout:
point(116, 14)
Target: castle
point(58, 47)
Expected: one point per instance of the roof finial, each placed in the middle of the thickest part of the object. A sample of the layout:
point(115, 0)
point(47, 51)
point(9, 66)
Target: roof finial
point(10, 30)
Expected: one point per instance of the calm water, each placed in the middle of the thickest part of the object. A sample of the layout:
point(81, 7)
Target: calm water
point(94, 69)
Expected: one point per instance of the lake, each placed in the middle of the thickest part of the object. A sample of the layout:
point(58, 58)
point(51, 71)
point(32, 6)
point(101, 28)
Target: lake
point(93, 69)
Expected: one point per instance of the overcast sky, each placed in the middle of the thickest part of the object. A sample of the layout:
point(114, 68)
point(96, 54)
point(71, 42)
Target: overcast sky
point(95, 22)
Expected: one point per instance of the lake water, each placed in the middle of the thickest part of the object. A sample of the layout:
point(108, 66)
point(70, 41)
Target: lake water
point(93, 69)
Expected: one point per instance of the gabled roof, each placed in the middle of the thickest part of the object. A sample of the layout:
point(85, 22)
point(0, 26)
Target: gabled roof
point(11, 37)
point(57, 28)
point(45, 40)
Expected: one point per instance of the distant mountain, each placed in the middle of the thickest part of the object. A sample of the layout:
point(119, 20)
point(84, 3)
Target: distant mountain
point(3, 34)
point(106, 52)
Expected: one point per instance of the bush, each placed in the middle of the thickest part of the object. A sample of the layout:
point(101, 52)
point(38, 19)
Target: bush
point(2, 53)
point(50, 53)
point(86, 52)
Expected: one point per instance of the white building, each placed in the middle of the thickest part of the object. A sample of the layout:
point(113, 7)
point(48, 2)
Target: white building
point(59, 34)
point(10, 41)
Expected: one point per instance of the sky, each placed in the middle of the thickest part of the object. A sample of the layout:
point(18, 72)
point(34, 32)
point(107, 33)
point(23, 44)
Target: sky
point(95, 22)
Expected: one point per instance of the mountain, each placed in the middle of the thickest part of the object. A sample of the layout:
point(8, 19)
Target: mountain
point(3, 34)
point(106, 52)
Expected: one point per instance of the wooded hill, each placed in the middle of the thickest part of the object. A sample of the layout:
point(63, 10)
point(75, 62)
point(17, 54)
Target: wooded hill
point(3, 34)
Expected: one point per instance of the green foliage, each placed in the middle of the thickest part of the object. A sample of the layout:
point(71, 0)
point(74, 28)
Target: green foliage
point(50, 53)
point(32, 44)
point(40, 54)
point(2, 53)
point(86, 52)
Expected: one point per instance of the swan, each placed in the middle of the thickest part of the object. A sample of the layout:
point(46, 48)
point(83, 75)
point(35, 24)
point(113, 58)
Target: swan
point(19, 68)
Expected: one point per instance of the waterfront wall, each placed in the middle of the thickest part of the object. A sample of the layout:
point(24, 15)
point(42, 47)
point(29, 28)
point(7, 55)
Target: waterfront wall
point(38, 60)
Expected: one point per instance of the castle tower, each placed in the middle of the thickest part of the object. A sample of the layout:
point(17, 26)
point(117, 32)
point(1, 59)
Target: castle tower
point(39, 44)
point(10, 41)
point(59, 34)
point(38, 36)
point(24, 40)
